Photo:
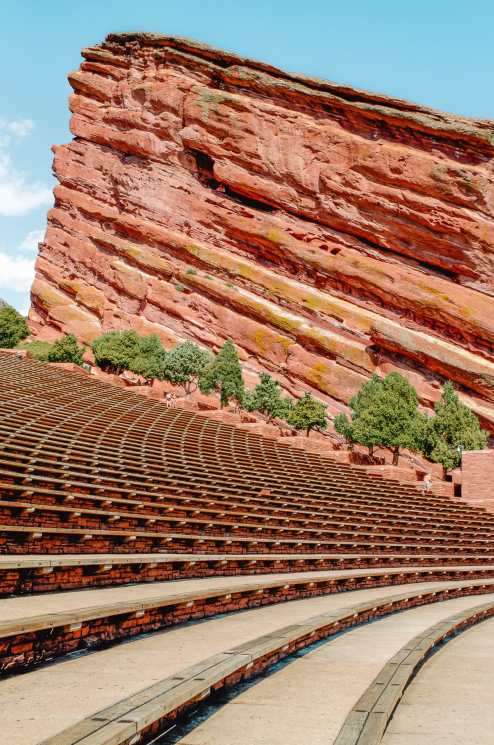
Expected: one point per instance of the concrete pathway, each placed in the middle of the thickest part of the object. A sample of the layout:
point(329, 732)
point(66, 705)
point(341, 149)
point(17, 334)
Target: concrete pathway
point(40, 703)
point(451, 701)
point(308, 700)
point(21, 608)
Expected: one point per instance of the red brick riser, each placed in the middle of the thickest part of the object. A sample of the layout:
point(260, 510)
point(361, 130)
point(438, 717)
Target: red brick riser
point(30, 581)
point(23, 651)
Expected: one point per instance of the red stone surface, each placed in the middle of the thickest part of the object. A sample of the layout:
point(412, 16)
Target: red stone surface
point(331, 232)
point(477, 478)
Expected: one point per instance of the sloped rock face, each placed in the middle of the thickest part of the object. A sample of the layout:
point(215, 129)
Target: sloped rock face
point(329, 231)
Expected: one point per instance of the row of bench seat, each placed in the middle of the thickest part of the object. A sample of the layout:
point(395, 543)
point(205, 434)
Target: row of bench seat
point(86, 467)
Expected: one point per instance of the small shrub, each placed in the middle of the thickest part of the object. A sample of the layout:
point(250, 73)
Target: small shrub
point(225, 375)
point(13, 327)
point(343, 426)
point(453, 429)
point(267, 399)
point(190, 270)
point(308, 413)
point(185, 364)
point(150, 358)
point(66, 349)
point(115, 350)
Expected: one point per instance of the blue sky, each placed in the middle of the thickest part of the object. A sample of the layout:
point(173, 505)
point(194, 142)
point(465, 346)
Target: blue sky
point(436, 52)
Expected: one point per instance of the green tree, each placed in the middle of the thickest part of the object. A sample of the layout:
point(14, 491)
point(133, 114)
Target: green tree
point(65, 349)
point(149, 361)
point(343, 426)
point(13, 327)
point(267, 399)
point(361, 401)
point(387, 415)
point(452, 429)
point(115, 350)
point(308, 413)
point(225, 375)
point(185, 364)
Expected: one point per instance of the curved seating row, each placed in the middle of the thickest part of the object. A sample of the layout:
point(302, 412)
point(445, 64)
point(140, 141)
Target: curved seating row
point(100, 489)
point(140, 716)
point(29, 637)
point(31, 574)
point(87, 468)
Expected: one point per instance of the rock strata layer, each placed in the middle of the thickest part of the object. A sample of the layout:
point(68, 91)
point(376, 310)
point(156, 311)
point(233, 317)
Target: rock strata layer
point(329, 231)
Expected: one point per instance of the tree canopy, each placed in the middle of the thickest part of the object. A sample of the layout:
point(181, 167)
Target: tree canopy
point(362, 400)
point(267, 399)
point(225, 375)
point(308, 413)
point(150, 358)
point(65, 349)
point(117, 351)
point(384, 413)
point(453, 429)
point(185, 364)
point(13, 327)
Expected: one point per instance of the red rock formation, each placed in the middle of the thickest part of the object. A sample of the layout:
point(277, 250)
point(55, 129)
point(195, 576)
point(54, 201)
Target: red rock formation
point(330, 231)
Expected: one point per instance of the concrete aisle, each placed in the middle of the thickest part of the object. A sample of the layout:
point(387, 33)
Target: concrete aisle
point(23, 607)
point(451, 701)
point(43, 702)
point(308, 700)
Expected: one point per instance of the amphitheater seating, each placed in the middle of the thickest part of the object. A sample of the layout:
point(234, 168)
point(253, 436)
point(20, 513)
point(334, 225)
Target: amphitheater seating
point(107, 498)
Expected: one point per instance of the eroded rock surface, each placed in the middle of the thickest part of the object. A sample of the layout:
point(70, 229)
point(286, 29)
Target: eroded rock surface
point(329, 231)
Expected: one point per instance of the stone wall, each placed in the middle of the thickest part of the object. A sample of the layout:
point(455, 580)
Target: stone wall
point(477, 484)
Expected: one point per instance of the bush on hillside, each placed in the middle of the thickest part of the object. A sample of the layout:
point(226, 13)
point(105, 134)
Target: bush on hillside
point(343, 426)
point(362, 400)
point(267, 399)
point(453, 429)
point(117, 351)
point(65, 349)
point(150, 358)
point(185, 364)
point(13, 327)
point(308, 414)
point(224, 374)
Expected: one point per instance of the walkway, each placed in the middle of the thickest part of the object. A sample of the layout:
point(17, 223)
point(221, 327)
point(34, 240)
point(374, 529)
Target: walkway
point(43, 702)
point(309, 699)
point(24, 607)
point(451, 701)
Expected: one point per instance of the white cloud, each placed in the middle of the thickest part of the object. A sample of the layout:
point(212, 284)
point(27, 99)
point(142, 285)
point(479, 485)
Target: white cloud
point(30, 243)
point(16, 273)
point(18, 194)
point(20, 127)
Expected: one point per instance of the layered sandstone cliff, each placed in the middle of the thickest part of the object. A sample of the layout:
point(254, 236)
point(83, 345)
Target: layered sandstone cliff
point(331, 232)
